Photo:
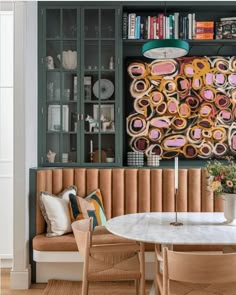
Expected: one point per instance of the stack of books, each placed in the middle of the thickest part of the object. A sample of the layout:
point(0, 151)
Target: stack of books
point(226, 28)
point(204, 30)
point(173, 26)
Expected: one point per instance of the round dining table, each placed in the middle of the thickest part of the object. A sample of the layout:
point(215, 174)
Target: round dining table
point(198, 228)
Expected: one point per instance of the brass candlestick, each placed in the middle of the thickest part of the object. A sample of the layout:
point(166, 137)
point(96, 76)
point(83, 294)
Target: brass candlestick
point(176, 222)
point(91, 156)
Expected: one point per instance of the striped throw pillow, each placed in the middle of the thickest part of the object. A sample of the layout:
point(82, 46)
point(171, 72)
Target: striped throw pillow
point(90, 206)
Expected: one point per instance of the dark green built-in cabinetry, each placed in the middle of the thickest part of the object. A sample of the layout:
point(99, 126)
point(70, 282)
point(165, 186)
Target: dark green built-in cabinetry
point(82, 61)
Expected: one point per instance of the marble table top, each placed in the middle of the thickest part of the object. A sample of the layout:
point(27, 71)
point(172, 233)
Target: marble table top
point(197, 228)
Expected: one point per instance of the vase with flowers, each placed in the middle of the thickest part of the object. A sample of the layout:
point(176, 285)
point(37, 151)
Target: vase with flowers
point(222, 181)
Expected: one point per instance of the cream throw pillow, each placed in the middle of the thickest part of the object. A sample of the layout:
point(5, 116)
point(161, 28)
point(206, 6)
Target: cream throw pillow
point(55, 210)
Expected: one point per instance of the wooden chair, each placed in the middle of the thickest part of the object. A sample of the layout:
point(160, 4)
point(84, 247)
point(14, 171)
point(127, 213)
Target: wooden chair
point(109, 262)
point(187, 267)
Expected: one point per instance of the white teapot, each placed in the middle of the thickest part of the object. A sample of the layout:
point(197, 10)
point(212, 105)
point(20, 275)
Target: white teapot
point(69, 59)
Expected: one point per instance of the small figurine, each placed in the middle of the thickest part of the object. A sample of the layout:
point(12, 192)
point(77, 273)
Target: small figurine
point(92, 123)
point(111, 63)
point(51, 156)
point(50, 63)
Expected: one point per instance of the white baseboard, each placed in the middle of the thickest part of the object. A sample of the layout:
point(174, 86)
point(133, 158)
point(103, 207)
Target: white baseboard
point(20, 279)
point(6, 262)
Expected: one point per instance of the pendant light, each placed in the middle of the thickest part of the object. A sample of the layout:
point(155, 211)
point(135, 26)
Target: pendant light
point(165, 48)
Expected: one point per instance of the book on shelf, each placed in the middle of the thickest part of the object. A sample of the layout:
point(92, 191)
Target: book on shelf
point(131, 25)
point(176, 25)
point(205, 36)
point(125, 25)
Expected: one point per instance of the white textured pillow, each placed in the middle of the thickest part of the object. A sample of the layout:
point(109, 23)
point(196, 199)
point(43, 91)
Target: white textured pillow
point(55, 210)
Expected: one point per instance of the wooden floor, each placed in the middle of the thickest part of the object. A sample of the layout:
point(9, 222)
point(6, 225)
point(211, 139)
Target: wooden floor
point(37, 289)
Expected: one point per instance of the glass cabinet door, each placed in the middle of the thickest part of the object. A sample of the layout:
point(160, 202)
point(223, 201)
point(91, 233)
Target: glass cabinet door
point(61, 74)
point(99, 86)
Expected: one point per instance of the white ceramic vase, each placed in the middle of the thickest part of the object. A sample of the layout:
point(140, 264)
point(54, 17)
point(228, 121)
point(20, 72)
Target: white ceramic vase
point(230, 208)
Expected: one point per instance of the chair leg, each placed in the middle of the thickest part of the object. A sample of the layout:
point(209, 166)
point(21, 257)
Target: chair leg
point(84, 287)
point(137, 286)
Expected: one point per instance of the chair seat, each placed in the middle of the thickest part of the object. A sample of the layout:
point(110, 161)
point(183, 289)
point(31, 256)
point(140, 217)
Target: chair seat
point(119, 266)
point(178, 288)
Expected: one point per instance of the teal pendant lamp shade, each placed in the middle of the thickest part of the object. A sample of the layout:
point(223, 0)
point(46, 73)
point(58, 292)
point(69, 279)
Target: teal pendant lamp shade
point(165, 48)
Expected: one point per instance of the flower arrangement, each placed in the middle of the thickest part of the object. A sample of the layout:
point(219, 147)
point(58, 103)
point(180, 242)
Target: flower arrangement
point(221, 177)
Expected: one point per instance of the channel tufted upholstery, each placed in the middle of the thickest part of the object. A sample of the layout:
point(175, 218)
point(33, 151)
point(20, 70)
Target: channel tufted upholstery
point(127, 190)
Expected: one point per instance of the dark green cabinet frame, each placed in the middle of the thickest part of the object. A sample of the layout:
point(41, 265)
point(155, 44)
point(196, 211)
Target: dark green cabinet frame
point(126, 48)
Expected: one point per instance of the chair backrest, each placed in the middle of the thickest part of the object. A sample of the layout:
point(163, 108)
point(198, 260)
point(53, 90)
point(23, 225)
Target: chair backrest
point(82, 233)
point(198, 268)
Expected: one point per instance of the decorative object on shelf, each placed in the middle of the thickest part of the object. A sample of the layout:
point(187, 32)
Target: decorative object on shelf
point(195, 107)
point(87, 87)
point(75, 88)
point(50, 63)
point(110, 160)
point(93, 124)
point(135, 159)
point(51, 156)
point(153, 160)
point(67, 94)
point(65, 157)
point(106, 116)
point(111, 63)
point(107, 125)
point(221, 179)
point(91, 153)
point(50, 91)
point(176, 222)
point(165, 48)
point(54, 118)
point(96, 156)
point(103, 88)
point(69, 59)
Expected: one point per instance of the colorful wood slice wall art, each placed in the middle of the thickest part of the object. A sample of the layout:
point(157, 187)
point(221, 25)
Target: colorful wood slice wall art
point(183, 107)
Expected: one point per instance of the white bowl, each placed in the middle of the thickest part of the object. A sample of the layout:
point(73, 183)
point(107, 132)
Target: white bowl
point(110, 160)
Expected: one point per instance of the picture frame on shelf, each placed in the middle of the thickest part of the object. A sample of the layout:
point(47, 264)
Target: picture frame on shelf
point(54, 118)
point(87, 87)
point(105, 114)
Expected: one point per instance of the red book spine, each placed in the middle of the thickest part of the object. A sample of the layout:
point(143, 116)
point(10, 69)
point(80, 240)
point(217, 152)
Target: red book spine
point(151, 27)
point(161, 28)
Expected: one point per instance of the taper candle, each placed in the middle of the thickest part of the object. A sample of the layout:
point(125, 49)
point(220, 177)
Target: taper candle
point(91, 146)
point(176, 172)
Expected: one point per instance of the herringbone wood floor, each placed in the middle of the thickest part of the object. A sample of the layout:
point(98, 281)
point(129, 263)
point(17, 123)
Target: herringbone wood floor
point(37, 289)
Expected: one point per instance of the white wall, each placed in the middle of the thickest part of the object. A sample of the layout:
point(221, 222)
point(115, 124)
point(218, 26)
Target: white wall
point(25, 133)
point(6, 134)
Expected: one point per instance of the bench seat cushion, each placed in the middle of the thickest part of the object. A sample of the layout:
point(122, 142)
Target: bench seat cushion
point(67, 242)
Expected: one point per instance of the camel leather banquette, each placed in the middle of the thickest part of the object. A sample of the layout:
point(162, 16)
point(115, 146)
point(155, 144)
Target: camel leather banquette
point(124, 191)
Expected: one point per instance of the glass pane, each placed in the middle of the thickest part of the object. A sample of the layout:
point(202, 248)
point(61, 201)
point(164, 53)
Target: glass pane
point(69, 91)
point(54, 118)
point(6, 50)
point(53, 23)
point(69, 148)
point(69, 56)
point(53, 86)
point(69, 23)
point(91, 55)
point(108, 146)
point(6, 123)
point(108, 23)
point(52, 147)
point(53, 58)
point(108, 55)
point(91, 23)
